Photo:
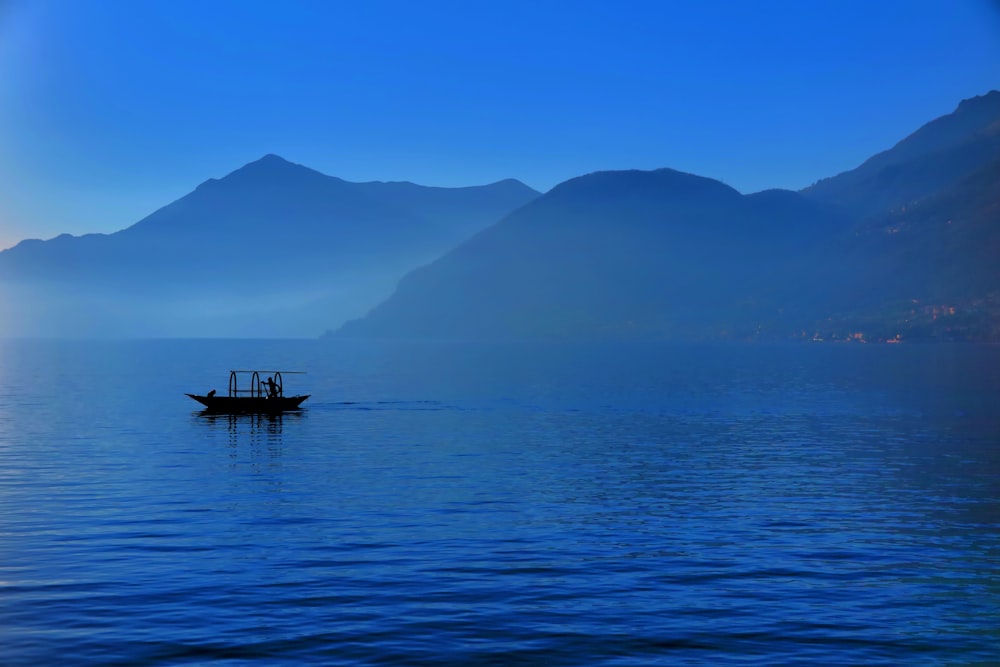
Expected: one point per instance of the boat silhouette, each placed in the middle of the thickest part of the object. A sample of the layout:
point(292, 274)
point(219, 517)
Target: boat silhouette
point(262, 396)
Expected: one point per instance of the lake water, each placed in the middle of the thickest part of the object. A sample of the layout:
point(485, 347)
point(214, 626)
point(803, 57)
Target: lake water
point(501, 505)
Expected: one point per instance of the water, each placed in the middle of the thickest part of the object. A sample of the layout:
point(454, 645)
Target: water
point(501, 505)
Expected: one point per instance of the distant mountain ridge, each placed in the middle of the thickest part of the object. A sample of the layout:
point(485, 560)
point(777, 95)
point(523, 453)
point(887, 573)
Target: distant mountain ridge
point(903, 247)
point(611, 254)
point(936, 156)
point(271, 206)
point(269, 237)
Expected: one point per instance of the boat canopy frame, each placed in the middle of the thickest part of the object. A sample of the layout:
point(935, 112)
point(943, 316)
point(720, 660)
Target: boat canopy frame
point(258, 389)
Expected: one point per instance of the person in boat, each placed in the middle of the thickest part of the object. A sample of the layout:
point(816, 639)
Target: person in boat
point(272, 389)
point(211, 393)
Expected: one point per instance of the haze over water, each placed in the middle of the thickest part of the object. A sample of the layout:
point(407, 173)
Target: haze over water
point(501, 504)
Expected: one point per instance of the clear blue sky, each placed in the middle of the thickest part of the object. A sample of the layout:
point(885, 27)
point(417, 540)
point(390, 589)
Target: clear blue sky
point(110, 109)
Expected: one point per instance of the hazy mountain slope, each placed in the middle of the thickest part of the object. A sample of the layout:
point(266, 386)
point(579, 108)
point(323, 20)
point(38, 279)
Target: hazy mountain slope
point(935, 157)
point(924, 256)
point(269, 237)
point(634, 253)
point(266, 216)
point(931, 271)
point(908, 243)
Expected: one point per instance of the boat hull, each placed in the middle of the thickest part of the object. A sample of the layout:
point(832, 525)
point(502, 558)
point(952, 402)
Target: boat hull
point(249, 404)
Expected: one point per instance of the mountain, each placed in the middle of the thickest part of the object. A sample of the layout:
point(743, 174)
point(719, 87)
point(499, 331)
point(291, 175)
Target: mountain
point(274, 248)
point(929, 270)
point(925, 234)
point(621, 254)
point(905, 246)
point(936, 157)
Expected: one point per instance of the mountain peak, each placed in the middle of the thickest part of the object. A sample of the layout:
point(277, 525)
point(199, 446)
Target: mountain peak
point(975, 115)
point(272, 170)
point(271, 158)
point(271, 162)
point(265, 169)
point(932, 158)
point(665, 182)
point(990, 100)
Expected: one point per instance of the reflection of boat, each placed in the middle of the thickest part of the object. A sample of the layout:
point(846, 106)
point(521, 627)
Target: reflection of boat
point(263, 397)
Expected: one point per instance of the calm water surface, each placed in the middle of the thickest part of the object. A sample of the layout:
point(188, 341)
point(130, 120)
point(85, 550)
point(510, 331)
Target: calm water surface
point(501, 505)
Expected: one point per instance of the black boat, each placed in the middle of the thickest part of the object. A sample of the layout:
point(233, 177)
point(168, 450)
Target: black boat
point(262, 397)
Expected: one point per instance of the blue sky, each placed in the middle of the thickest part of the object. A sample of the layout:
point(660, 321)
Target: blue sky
point(110, 109)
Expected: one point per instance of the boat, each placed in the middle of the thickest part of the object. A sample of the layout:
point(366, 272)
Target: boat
point(262, 396)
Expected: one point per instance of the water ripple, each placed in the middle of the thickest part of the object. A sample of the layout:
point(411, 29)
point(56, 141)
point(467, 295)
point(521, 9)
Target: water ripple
point(803, 507)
